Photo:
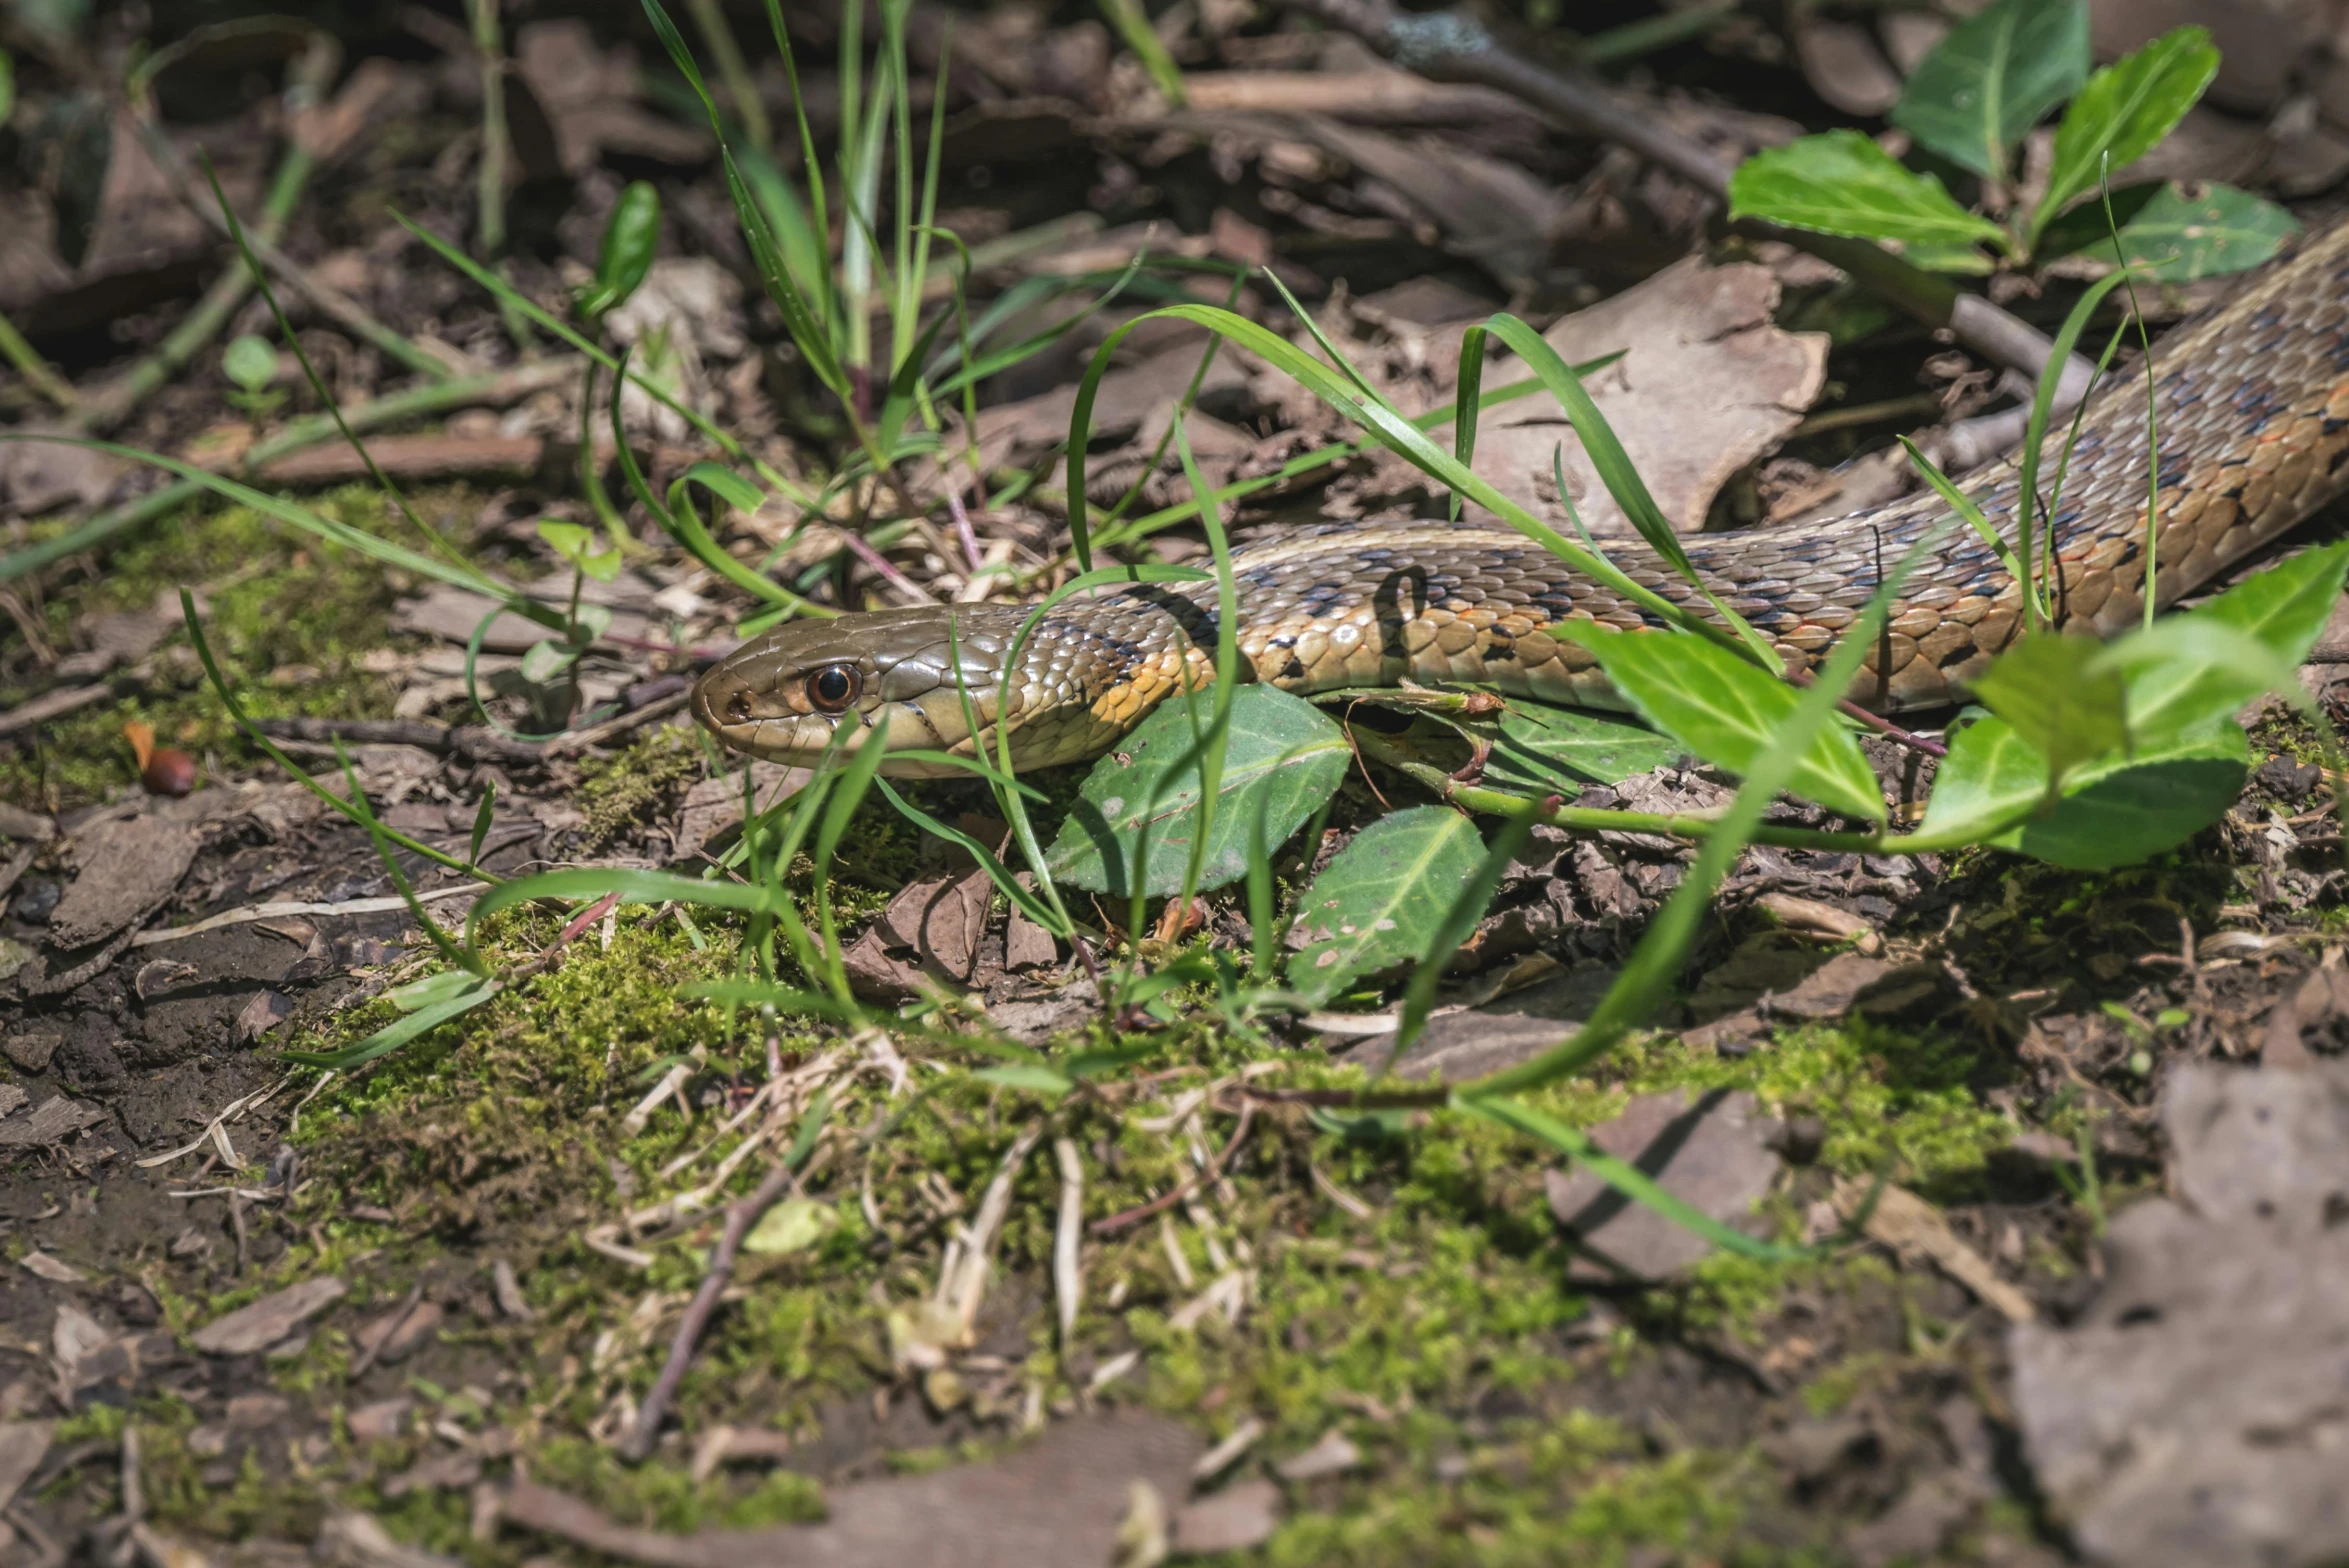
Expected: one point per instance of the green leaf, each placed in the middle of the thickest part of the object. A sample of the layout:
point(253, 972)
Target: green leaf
point(2283, 609)
point(249, 362)
point(568, 540)
point(2112, 813)
point(1379, 902)
point(2178, 237)
point(1843, 183)
point(2049, 688)
point(1992, 79)
point(460, 1000)
point(543, 661)
point(7, 86)
point(794, 1225)
point(1021, 1075)
point(1551, 750)
point(1284, 757)
point(432, 990)
point(1727, 712)
point(2123, 112)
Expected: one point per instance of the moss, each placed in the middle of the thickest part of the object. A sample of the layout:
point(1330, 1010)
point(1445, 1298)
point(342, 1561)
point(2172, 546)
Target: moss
point(1572, 1492)
point(275, 600)
point(638, 783)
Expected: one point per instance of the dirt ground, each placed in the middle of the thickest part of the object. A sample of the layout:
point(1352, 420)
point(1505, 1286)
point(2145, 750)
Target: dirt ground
point(2055, 1154)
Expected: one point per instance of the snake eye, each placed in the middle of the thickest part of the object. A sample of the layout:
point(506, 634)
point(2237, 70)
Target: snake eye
point(738, 708)
point(832, 688)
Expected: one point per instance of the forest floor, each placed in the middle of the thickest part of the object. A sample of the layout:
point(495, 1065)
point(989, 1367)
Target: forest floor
point(1135, 1296)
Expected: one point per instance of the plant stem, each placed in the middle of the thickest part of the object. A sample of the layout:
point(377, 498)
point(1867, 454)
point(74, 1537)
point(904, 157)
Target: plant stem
point(504, 386)
point(37, 372)
point(710, 17)
point(1689, 825)
point(497, 153)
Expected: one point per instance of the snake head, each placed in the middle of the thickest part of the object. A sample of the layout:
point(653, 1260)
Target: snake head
point(785, 695)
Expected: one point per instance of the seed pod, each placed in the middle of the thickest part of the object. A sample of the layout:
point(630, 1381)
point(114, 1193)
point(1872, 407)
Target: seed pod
point(630, 238)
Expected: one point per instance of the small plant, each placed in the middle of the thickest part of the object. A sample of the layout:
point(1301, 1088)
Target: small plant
point(1969, 107)
point(251, 364)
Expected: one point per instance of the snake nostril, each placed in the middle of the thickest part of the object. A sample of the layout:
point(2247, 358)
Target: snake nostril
point(738, 709)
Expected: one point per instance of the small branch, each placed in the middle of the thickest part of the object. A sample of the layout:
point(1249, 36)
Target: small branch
point(491, 390)
point(1210, 1172)
point(1448, 46)
point(740, 1217)
point(1068, 1280)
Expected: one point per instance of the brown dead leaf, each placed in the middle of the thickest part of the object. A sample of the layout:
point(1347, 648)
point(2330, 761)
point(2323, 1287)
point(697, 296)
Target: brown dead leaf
point(51, 1122)
point(1706, 386)
point(2191, 1414)
point(1057, 1503)
point(941, 919)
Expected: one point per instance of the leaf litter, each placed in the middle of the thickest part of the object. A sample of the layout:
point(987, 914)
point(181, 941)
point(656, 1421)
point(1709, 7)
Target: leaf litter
point(2015, 989)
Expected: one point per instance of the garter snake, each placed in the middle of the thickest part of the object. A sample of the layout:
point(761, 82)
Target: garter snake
point(2252, 409)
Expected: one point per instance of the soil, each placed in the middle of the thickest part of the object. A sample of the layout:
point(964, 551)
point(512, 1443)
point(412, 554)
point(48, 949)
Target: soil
point(1394, 1295)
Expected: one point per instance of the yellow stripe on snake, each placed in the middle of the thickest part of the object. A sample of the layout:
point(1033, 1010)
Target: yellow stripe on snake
point(2252, 409)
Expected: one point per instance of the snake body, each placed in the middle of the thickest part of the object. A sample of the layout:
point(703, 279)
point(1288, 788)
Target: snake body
point(2252, 410)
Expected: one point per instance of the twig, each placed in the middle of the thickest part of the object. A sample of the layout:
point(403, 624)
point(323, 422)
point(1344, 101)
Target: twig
point(1068, 1281)
point(1448, 46)
point(490, 390)
point(331, 303)
point(1210, 1172)
point(110, 404)
point(740, 1217)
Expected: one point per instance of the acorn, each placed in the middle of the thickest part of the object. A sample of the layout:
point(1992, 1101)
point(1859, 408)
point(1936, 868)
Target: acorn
point(165, 770)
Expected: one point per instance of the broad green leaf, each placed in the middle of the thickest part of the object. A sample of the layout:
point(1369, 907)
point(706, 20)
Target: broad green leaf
point(2112, 813)
point(1283, 756)
point(2123, 112)
point(1553, 751)
point(7, 86)
point(1379, 902)
point(2178, 237)
point(1727, 712)
point(2062, 705)
point(2283, 609)
point(794, 1225)
point(2087, 227)
point(1843, 183)
point(1992, 79)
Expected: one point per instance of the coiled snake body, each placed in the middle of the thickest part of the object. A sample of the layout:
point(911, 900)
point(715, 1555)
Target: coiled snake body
point(2253, 420)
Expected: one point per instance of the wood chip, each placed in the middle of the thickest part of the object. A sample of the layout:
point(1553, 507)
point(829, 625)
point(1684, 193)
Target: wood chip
point(1909, 1225)
point(254, 1328)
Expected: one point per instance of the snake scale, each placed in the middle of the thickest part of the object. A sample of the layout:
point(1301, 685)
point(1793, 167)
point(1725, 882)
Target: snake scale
point(2253, 420)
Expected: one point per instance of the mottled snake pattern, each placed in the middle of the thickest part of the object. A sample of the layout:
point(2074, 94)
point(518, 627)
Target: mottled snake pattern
point(2252, 408)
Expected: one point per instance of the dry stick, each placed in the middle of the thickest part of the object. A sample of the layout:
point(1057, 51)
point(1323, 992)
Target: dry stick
point(112, 403)
point(497, 387)
point(1449, 47)
point(330, 303)
point(740, 1217)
